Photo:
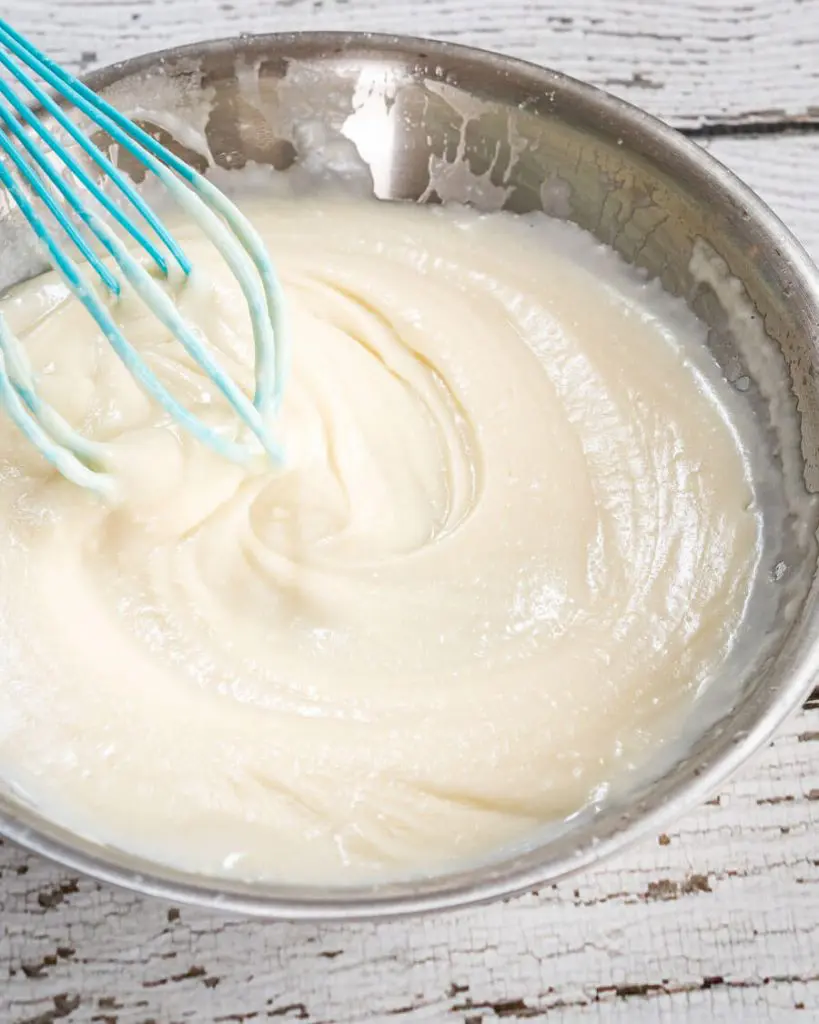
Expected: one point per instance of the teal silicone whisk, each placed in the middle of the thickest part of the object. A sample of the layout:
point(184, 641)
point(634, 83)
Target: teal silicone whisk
point(66, 208)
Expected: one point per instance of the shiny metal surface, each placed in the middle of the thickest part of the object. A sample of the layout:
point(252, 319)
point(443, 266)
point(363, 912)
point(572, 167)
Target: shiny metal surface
point(411, 119)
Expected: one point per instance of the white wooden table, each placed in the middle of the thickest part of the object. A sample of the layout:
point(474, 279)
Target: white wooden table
point(717, 920)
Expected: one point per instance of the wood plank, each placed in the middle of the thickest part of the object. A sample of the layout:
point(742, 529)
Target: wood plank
point(695, 63)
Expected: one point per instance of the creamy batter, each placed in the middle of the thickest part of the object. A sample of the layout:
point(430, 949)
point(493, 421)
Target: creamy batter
point(513, 539)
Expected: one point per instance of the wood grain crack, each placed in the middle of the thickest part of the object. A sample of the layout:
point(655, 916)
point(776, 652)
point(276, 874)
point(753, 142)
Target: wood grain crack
point(784, 124)
point(64, 1006)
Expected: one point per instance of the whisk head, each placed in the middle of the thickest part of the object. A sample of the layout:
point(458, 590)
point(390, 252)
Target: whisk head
point(63, 203)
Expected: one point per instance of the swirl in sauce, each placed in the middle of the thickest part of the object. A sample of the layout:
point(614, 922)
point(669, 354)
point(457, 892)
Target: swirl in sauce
point(514, 536)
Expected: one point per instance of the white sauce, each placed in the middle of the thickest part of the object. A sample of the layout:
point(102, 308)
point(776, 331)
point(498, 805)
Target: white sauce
point(515, 537)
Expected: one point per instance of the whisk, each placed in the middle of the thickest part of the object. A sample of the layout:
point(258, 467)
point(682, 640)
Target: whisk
point(66, 208)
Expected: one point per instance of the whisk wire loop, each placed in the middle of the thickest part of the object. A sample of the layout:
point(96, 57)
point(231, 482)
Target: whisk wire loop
point(230, 232)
